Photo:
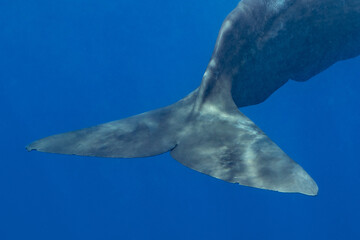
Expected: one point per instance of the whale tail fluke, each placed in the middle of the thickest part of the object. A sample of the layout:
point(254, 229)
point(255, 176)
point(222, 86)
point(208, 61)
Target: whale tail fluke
point(223, 144)
point(234, 149)
point(143, 135)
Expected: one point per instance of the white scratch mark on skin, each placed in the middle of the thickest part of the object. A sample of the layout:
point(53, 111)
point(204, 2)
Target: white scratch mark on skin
point(276, 5)
point(226, 26)
point(212, 63)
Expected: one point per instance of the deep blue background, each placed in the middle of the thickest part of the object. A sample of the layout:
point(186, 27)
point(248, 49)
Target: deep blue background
point(71, 64)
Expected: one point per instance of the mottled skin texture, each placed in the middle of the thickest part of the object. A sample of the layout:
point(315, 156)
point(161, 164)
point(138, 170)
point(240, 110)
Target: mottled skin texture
point(264, 43)
point(261, 45)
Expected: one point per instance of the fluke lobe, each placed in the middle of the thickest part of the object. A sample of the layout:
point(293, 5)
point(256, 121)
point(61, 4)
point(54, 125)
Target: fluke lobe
point(261, 45)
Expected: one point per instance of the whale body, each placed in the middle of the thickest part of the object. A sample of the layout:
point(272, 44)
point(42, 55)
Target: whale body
point(261, 45)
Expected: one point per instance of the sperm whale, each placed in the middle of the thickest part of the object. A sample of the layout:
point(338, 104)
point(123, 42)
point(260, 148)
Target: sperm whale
point(262, 44)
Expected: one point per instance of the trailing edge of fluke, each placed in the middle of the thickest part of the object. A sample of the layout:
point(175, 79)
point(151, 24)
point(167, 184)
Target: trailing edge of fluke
point(262, 44)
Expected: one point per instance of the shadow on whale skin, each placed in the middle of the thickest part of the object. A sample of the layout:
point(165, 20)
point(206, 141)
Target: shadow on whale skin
point(261, 45)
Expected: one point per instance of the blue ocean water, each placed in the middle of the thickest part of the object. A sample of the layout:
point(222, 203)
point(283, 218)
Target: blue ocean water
point(71, 64)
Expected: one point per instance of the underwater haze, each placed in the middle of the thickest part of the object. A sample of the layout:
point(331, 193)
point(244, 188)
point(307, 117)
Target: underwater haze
point(70, 64)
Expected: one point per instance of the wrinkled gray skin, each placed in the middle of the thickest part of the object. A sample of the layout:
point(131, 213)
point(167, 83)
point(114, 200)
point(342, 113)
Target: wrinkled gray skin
point(261, 45)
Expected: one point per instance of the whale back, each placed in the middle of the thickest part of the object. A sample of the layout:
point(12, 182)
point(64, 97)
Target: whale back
point(263, 44)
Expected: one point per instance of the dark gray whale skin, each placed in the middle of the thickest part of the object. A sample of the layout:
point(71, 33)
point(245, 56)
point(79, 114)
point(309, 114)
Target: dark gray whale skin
point(262, 44)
